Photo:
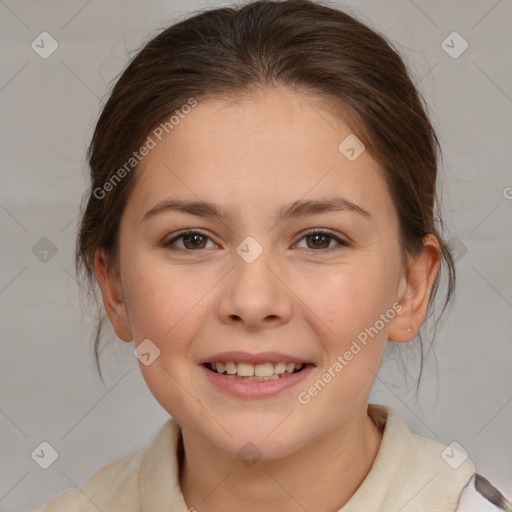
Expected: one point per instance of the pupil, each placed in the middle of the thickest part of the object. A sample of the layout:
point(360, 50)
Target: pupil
point(315, 236)
point(187, 238)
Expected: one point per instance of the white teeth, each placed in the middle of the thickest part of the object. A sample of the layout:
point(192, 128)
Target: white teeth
point(261, 371)
point(230, 368)
point(279, 368)
point(245, 370)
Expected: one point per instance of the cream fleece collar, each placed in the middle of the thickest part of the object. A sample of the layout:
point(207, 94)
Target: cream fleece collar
point(408, 473)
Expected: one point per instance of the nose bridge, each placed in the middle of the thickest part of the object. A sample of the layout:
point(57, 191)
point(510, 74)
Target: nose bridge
point(250, 250)
point(254, 291)
point(253, 264)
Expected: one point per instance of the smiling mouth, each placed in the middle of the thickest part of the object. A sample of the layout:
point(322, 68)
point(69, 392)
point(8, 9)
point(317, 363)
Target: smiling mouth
point(255, 372)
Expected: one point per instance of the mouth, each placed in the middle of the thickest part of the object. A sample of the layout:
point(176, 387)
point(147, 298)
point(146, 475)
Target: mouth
point(265, 371)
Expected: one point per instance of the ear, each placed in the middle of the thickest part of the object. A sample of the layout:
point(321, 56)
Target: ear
point(110, 284)
point(415, 289)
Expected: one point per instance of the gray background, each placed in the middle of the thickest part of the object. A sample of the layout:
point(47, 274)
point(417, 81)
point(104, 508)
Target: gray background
point(49, 387)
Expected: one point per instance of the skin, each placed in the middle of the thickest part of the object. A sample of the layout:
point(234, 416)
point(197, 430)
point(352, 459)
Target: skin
point(251, 156)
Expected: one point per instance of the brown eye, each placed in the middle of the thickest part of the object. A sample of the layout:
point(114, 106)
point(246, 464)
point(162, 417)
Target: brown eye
point(317, 241)
point(320, 241)
point(192, 240)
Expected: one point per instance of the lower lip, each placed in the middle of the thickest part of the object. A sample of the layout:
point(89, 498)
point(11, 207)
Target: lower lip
point(256, 389)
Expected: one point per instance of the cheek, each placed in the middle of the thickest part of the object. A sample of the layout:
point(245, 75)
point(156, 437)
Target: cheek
point(357, 304)
point(352, 305)
point(156, 297)
point(168, 303)
point(356, 295)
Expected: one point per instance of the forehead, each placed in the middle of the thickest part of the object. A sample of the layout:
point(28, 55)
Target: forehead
point(255, 151)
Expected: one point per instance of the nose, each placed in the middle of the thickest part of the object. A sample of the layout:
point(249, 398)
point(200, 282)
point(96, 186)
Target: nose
point(254, 293)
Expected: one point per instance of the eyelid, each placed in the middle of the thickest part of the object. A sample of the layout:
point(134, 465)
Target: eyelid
point(342, 242)
point(189, 231)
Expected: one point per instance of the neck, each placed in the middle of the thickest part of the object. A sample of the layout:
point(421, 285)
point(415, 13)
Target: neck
point(213, 481)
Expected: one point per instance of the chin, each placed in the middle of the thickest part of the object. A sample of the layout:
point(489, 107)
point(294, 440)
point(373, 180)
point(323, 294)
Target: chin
point(257, 437)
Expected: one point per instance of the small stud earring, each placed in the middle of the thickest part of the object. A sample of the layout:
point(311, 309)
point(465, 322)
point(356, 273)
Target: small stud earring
point(409, 329)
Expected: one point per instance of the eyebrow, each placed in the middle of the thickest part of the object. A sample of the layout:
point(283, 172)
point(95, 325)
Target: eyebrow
point(299, 208)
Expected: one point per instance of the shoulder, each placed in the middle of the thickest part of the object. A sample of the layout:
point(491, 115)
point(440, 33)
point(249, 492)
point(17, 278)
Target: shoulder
point(422, 474)
point(481, 496)
point(115, 483)
point(434, 476)
point(478, 494)
point(127, 484)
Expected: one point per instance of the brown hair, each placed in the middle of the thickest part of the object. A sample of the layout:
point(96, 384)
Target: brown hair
point(300, 44)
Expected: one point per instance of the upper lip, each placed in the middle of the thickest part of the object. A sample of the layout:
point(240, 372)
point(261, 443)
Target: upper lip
point(246, 357)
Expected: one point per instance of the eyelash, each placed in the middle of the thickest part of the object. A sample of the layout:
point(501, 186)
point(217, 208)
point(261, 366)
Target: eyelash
point(341, 242)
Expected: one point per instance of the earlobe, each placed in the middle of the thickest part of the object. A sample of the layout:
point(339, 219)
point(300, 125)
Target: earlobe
point(402, 328)
point(115, 307)
point(416, 286)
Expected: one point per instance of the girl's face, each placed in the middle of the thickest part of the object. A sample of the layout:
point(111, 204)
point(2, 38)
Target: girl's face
point(255, 282)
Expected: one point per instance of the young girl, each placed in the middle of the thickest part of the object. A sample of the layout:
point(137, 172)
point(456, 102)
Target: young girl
point(261, 224)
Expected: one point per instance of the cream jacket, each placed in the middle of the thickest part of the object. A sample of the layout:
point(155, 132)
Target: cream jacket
point(410, 474)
